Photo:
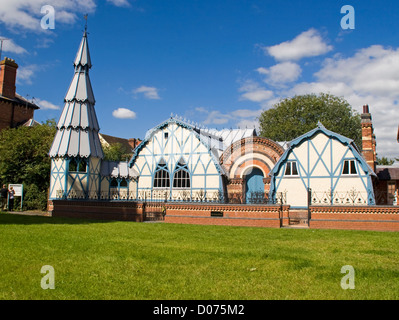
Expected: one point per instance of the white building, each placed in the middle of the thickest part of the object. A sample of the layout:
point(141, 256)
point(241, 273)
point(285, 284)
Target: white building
point(328, 164)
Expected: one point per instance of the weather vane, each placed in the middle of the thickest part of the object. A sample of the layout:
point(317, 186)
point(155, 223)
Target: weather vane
point(85, 17)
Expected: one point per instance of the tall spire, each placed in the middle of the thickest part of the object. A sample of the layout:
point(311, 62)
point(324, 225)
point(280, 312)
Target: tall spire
point(77, 128)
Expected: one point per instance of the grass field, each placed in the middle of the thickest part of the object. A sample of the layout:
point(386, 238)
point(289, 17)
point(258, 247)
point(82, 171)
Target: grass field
point(128, 260)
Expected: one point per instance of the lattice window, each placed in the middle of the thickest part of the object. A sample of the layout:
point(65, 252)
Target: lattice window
point(181, 177)
point(161, 178)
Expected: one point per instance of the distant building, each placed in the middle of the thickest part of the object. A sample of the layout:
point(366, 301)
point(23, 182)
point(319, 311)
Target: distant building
point(387, 184)
point(127, 144)
point(15, 110)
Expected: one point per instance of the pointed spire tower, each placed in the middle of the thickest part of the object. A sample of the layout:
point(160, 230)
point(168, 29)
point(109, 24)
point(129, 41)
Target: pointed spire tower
point(76, 151)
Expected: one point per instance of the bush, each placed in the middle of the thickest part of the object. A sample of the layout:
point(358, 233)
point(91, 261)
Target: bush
point(34, 198)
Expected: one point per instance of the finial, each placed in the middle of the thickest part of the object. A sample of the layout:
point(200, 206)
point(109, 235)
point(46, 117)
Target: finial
point(85, 17)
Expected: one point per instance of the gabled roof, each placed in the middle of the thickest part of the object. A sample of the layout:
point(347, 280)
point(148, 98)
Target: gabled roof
point(210, 140)
point(217, 140)
point(110, 140)
point(320, 128)
point(309, 135)
point(31, 123)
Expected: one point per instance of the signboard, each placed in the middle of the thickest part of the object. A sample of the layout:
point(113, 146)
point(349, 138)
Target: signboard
point(19, 191)
point(18, 188)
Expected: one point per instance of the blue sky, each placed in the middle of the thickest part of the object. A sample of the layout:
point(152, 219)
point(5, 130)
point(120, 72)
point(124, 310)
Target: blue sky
point(218, 63)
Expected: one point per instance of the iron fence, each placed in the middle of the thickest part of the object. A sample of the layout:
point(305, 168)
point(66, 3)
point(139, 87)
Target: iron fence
point(197, 196)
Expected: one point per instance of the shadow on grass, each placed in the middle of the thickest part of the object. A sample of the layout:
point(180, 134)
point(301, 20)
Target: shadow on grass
point(22, 219)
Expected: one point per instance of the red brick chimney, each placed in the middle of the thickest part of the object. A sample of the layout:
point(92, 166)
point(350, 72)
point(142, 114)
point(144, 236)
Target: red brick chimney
point(134, 142)
point(368, 138)
point(8, 75)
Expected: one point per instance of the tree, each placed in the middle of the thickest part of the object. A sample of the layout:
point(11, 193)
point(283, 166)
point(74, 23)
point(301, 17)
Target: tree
point(24, 160)
point(295, 116)
point(384, 161)
point(115, 152)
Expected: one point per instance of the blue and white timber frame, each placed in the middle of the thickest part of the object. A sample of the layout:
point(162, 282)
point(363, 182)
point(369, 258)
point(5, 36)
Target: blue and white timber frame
point(76, 152)
point(177, 150)
point(327, 164)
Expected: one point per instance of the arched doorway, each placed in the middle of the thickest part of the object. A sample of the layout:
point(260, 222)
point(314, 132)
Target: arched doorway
point(254, 186)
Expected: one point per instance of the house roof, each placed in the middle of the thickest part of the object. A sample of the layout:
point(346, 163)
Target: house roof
point(30, 123)
point(216, 141)
point(113, 140)
point(387, 172)
point(321, 129)
point(20, 100)
point(116, 169)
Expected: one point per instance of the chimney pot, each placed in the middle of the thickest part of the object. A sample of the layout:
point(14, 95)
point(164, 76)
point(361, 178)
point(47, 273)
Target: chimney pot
point(8, 75)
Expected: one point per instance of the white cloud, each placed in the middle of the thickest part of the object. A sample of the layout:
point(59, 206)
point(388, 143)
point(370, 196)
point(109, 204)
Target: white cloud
point(241, 118)
point(281, 73)
point(308, 44)
point(26, 73)
point(255, 93)
point(119, 3)
point(216, 117)
point(20, 15)
point(149, 92)
point(10, 46)
point(123, 113)
point(370, 76)
point(46, 105)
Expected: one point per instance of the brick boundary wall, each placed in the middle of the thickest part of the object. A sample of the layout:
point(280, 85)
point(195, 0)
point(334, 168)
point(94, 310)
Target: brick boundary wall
point(99, 210)
point(373, 218)
point(225, 214)
point(186, 213)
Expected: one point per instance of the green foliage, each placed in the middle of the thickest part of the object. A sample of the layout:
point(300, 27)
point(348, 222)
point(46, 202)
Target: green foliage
point(115, 152)
point(24, 160)
point(384, 161)
point(295, 116)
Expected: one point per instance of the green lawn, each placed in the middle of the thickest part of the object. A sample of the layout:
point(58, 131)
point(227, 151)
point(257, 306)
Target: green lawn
point(128, 260)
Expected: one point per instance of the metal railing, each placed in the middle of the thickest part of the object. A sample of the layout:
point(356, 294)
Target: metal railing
point(196, 196)
point(351, 197)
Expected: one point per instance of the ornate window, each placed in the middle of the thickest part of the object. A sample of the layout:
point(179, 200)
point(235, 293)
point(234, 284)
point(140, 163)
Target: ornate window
point(161, 177)
point(181, 177)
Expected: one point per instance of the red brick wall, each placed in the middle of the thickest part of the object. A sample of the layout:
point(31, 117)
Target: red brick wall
point(377, 218)
point(233, 215)
point(99, 210)
point(7, 118)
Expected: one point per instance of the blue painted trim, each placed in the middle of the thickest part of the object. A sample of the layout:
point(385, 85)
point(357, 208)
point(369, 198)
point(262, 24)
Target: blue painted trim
point(276, 177)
